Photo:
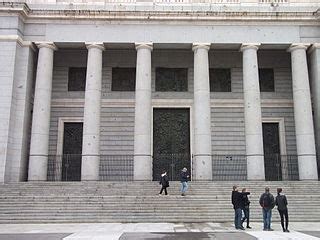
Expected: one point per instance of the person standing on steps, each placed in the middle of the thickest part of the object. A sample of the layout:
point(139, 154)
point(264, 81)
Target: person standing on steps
point(184, 181)
point(164, 181)
point(281, 202)
point(267, 203)
point(236, 199)
point(245, 203)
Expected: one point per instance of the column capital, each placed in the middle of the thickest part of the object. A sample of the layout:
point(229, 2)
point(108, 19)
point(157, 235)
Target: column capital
point(148, 45)
point(95, 45)
point(205, 46)
point(245, 46)
point(50, 45)
point(295, 46)
point(314, 47)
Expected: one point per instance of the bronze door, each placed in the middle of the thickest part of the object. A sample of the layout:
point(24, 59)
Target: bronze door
point(171, 141)
point(272, 156)
point(72, 150)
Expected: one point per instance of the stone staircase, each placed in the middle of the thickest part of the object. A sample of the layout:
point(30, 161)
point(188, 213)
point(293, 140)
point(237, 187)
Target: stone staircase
point(60, 202)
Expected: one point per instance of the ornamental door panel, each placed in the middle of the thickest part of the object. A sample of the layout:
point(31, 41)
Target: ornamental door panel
point(272, 156)
point(171, 142)
point(72, 150)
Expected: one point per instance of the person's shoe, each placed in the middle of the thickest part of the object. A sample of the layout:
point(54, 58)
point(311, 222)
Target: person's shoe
point(241, 228)
point(265, 229)
point(270, 229)
point(283, 230)
point(287, 230)
point(182, 194)
point(249, 227)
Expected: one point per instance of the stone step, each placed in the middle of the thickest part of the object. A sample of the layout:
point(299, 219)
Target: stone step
point(60, 202)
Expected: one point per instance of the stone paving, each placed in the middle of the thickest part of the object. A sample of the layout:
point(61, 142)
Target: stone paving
point(151, 231)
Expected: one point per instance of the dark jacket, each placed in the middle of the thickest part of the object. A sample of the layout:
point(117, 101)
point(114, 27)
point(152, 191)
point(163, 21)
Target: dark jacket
point(164, 181)
point(281, 202)
point(244, 204)
point(267, 201)
point(236, 199)
point(184, 177)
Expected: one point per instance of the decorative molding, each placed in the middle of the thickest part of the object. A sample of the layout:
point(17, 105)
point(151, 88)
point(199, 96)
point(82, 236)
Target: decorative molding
point(61, 122)
point(313, 47)
point(50, 45)
point(295, 46)
point(276, 103)
point(77, 12)
point(144, 46)
point(59, 150)
point(18, 39)
point(97, 45)
point(246, 46)
point(179, 104)
point(205, 46)
point(217, 103)
point(282, 142)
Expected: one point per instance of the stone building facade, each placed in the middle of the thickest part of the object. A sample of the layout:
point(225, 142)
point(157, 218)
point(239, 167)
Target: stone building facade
point(112, 91)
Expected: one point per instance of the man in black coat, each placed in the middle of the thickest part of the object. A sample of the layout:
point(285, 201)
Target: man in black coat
point(236, 199)
point(164, 181)
point(281, 202)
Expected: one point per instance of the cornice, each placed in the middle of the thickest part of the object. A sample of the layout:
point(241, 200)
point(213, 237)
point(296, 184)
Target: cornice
point(21, 9)
point(156, 15)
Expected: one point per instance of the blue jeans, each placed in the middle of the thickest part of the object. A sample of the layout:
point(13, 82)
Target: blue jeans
point(184, 187)
point(237, 218)
point(267, 213)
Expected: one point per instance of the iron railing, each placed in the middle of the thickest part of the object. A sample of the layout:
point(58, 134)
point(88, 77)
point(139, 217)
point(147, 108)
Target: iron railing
point(116, 168)
point(172, 163)
point(67, 167)
point(234, 167)
point(224, 167)
point(229, 167)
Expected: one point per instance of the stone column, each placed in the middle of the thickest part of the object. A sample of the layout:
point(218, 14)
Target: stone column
point(307, 161)
point(202, 118)
point(91, 117)
point(315, 89)
point(142, 119)
point(252, 113)
point(38, 160)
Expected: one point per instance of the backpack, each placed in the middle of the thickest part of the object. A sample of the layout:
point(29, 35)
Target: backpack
point(267, 201)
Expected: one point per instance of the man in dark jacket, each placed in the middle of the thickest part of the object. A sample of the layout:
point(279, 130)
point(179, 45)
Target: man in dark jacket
point(281, 202)
point(236, 199)
point(267, 203)
point(184, 181)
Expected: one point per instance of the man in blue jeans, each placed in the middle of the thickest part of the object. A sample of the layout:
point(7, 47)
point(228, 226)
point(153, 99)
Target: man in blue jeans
point(236, 199)
point(267, 203)
point(184, 181)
